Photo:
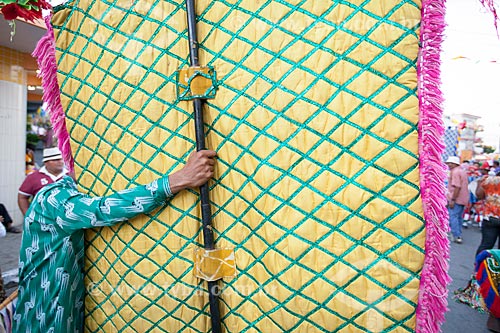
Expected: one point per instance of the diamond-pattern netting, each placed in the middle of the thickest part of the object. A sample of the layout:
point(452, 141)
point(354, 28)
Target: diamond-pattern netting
point(317, 183)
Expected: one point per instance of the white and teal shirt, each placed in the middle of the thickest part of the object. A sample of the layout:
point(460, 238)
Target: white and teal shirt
point(51, 289)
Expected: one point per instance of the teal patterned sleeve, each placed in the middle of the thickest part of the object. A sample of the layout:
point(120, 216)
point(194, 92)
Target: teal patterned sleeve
point(74, 210)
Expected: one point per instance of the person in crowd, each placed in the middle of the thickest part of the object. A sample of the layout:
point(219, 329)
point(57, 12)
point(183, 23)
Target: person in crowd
point(51, 286)
point(469, 210)
point(496, 166)
point(458, 196)
point(476, 203)
point(53, 169)
point(30, 159)
point(488, 190)
point(485, 168)
point(6, 220)
point(491, 168)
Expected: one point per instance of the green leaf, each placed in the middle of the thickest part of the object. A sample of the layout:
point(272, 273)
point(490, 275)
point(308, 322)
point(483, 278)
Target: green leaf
point(6, 2)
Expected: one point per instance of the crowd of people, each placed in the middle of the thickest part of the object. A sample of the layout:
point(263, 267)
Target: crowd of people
point(474, 197)
point(465, 207)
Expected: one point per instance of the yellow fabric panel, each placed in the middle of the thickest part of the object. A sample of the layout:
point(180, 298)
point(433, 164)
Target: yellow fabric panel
point(319, 195)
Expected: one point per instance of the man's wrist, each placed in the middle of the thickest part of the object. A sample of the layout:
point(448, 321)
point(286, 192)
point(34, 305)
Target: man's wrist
point(177, 182)
point(166, 187)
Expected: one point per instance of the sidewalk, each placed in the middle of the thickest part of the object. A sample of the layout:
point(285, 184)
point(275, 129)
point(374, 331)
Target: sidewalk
point(460, 318)
point(9, 257)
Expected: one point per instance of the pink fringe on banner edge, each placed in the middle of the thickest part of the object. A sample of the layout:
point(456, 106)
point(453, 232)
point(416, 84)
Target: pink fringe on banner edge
point(492, 7)
point(45, 53)
point(432, 302)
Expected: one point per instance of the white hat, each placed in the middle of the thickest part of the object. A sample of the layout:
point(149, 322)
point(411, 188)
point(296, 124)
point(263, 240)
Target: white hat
point(453, 159)
point(50, 154)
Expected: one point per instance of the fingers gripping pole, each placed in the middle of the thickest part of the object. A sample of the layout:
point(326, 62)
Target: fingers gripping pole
point(208, 236)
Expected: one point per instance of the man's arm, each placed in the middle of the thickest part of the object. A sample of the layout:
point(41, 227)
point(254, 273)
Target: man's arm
point(454, 196)
point(23, 201)
point(74, 210)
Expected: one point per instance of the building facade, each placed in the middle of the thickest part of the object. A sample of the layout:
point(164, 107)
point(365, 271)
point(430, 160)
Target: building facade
point(17, 73)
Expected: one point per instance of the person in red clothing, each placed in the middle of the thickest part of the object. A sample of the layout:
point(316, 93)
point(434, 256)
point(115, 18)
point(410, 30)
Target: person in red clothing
point(53, 169)
point(488, 188)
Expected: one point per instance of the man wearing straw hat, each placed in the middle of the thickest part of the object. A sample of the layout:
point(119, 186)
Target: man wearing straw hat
point(52, 170)
point(458, 196)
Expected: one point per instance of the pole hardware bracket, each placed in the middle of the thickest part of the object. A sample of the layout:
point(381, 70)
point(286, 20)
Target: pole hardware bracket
point(213, 265)
point(196, 83)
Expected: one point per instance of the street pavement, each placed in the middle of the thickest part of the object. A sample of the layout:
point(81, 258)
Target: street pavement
point(459, 319)
point(9, 257)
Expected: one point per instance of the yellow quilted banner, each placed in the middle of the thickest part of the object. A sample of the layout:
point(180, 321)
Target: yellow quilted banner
point(314, 121)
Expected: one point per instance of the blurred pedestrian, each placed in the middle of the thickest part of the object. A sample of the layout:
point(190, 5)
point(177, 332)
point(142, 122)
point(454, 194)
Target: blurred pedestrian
point(6, 220)
point(488, 190)
point(496, 165)
point(30, 159)
point(458, 197)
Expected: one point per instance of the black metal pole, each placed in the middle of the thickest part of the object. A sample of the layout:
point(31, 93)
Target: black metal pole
point(206, 214)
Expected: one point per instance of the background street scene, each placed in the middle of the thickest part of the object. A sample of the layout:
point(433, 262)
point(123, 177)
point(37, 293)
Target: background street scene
point(469, 59)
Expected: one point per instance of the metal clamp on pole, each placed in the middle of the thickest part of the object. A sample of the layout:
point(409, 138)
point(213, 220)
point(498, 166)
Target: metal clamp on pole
point(196, 82)
point(213, 265)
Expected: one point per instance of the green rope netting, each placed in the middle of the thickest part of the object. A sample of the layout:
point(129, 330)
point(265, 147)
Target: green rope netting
point(126, 130)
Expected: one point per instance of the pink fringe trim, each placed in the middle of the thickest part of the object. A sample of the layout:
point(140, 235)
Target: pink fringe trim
point(45, 52)
point(432, 303)
point(491, 6)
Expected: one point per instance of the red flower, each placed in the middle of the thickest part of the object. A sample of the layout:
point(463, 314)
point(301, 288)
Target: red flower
point(30, 15)
point(11, 11)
